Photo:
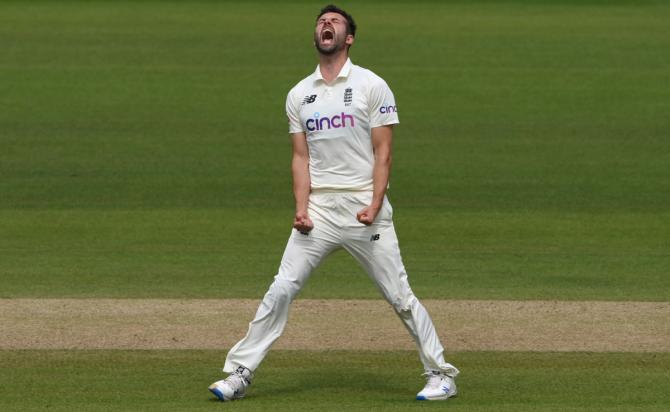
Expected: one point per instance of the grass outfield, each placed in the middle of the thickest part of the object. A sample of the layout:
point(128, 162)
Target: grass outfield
point(219, 254)
point(144, 147)
point(306, 381)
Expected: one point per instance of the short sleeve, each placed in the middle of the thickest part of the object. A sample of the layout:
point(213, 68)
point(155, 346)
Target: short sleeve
point(381, 105)
point(293, 115)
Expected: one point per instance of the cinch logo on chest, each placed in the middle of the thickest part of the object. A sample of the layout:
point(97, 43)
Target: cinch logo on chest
point(326, 123)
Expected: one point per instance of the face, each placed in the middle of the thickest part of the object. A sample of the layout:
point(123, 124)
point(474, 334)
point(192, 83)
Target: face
point(330, 35)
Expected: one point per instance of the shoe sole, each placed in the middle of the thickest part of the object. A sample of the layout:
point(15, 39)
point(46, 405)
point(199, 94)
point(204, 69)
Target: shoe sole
point(217, 393)
point(441, 398)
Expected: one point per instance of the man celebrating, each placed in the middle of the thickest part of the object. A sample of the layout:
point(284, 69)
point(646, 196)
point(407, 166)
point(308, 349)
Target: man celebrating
point(341, 121)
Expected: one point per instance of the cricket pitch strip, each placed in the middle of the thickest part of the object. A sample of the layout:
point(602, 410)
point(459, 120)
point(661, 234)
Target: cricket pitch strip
point(333, 324)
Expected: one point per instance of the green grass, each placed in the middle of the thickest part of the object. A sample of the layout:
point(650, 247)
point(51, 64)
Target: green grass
point(302, 381)
point(220, 254)
point(144, 149)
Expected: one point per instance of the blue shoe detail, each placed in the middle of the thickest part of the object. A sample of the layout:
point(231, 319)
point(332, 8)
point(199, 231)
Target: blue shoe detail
point(218, 394)
point(421, 398)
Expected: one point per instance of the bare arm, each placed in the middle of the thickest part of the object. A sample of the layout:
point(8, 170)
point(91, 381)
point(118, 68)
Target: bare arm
point(382, 140)
point(301, 182)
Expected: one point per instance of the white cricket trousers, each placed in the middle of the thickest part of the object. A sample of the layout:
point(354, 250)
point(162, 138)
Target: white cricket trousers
point(375, 247)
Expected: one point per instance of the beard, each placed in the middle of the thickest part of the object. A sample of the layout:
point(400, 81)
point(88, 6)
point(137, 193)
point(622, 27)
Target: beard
point(333, 48)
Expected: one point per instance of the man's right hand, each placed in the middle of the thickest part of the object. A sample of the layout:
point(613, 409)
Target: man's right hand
point(302, 222)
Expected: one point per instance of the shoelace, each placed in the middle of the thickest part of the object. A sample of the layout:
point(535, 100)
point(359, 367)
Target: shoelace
point(433, 379)
point(236, 380)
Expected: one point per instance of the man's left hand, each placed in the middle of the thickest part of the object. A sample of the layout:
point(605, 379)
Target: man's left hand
point(368, 214)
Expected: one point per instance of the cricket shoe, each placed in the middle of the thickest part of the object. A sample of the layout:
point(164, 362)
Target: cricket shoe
point(234, 386)
point(439, 387)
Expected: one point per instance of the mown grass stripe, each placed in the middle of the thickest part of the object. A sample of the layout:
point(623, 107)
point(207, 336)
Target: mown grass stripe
point(332, 381)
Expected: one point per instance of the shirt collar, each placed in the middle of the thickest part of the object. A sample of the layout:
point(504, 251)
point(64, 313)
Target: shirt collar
point(344, 71)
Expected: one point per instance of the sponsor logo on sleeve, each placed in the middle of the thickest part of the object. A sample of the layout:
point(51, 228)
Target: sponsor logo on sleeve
point(388, 109)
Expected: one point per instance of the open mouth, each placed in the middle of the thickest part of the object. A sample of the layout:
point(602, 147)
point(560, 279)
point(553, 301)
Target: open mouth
point(327, 36)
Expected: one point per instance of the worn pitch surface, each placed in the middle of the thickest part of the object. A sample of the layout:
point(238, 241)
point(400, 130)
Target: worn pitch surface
point(334, 325)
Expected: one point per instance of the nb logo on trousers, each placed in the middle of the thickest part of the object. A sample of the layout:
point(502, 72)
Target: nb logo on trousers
point(374, 237)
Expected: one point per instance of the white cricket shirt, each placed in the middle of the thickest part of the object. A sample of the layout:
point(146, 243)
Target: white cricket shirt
point(337, 119)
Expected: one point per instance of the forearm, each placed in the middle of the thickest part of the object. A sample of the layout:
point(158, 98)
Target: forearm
point(301, 183)
point(382, 138)
point(380, 178)
point(300, 172)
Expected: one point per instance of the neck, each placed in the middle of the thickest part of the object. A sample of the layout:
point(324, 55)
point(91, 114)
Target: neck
point(330, 65)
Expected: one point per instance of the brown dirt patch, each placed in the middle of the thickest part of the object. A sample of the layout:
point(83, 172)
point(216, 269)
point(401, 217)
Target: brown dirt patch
point(334, 324)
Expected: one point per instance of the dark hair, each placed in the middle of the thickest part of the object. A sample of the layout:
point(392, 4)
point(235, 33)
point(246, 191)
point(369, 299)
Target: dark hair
point(331, 8)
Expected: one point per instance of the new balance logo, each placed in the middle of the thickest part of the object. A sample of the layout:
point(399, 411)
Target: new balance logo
point(309, 99)
point(374, 237)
